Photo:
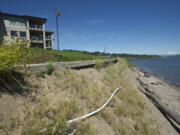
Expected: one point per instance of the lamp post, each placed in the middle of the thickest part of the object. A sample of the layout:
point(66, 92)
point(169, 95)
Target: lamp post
point(57, 30)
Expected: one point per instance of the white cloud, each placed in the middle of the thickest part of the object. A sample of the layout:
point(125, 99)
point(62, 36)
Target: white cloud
point(96, 21)
point(171, 53)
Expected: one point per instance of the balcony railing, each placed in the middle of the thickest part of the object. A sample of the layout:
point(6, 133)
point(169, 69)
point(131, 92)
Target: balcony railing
point(48, 37)
point(36, 38)
point(48, 46)
point(36, 26)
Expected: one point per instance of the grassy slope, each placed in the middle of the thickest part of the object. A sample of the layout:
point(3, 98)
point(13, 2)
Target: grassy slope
point(41, 56)
point(67, 94)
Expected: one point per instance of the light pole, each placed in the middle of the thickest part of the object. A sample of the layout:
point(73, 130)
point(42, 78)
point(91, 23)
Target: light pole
point(57, 30)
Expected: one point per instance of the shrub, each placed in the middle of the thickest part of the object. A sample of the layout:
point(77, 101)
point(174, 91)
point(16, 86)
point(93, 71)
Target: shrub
point(50, 69)
point(13, 56)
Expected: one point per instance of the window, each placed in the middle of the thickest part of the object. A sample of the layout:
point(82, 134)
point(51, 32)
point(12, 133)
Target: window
point(32, 25)
point(13, 21)
point(48, 36)
point(39, 26)
point(48, 44)
point(22, 34)
point(14, 33)
point(22, 23)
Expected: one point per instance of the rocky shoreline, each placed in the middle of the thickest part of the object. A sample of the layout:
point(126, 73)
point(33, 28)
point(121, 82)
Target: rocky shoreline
point(166, 97)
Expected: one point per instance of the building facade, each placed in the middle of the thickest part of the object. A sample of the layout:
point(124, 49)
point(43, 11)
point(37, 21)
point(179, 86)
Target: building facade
point(28, 27)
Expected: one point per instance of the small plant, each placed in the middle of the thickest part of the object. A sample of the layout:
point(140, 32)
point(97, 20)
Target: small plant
point(40, 73)
point(146, 128)
point(99, 64)
point(136, 126)
point(50, 69)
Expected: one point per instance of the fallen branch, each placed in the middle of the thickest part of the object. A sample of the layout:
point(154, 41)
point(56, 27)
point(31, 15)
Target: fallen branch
point(94, 112)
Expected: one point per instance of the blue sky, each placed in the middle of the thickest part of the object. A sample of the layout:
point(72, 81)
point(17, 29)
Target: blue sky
point(120, 26)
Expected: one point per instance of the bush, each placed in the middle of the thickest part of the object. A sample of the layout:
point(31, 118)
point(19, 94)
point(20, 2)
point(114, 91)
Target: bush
point(13, 56)
point(50, 69)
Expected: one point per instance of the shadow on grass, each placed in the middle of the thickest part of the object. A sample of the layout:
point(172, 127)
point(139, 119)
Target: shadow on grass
point(14, 83)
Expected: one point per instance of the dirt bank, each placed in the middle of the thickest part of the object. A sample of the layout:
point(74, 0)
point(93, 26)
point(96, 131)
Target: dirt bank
point(67, 94)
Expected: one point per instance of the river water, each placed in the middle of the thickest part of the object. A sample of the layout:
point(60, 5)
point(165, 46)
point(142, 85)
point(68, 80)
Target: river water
point(166, 67)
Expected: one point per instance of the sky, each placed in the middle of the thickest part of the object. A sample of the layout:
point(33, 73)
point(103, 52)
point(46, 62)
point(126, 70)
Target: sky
point(115, 26)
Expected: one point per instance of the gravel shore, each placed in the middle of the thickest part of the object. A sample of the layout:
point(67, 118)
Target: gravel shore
point(167, 94)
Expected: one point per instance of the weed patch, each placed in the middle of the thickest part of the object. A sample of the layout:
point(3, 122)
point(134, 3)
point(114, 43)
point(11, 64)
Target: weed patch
point(49, 69)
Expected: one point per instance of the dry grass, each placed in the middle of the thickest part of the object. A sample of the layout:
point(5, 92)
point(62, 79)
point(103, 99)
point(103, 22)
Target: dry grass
point(67, 94)
point(85, 128)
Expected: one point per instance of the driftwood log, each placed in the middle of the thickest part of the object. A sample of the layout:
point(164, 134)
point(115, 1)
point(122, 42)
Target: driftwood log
point(164, 108)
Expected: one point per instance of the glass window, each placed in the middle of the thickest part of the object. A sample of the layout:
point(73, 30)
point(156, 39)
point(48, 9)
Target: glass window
point(21, 23)
point(12, 21)
point(17, 22)
point(14, 33)
point(32, 25)
point(48, 36)
point(22, 34)
point(39, 26)
point(48, 44)
point(33, 37)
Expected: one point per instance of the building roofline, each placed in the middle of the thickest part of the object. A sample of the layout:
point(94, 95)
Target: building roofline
point(25, 17)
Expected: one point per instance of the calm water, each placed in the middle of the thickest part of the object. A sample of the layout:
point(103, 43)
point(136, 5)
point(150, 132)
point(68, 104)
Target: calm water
point(167, 68)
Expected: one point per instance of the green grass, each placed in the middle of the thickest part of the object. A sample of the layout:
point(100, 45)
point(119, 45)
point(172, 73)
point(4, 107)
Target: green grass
point(56, 118)
point(41, 56)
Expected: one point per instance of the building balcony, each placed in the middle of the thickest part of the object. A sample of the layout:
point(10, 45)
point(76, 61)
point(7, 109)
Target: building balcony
point(36, 39)
point(38, 27)
point(48, 44)
point(48, 37)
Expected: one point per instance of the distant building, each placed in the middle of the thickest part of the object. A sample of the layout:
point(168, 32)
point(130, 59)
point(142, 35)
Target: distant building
point(29, 27)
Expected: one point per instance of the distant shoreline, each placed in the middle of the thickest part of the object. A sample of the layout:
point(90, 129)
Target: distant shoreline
point(172, 85)
point(165, 68)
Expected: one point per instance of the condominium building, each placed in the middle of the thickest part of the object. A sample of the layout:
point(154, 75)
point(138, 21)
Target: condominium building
point(28, 27)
